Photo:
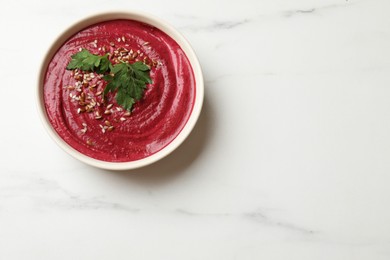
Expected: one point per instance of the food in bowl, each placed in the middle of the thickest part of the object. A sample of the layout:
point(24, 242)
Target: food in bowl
point(119, 90)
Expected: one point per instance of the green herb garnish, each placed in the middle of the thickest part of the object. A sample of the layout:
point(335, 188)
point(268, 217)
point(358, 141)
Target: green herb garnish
point(86, 61)
point(128, 80)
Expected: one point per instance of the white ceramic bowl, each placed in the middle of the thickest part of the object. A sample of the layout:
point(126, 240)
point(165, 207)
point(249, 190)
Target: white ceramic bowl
point(148, 19)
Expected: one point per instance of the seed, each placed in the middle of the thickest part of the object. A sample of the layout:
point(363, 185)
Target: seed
point(127, 113)
point(119, 40)
point(78, 77)
point(80, 110)
point(104, 48)
point(89, 142)
point(88, 108)
point(84, 124)
point(110, 128)
point(98, 93)
point(80, 49)
point(109, 106)
point(123, 38)
point(98, 115)
point(84, 130)
point(123, 119)
point(107, 123)
point(107, 112)
point(112, 44)
point(141, 55)
point(135, 54)
point(70, 87)
point(145, 43)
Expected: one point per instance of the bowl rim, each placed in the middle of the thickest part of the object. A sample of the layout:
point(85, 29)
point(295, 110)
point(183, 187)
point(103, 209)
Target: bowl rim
point(128, 15)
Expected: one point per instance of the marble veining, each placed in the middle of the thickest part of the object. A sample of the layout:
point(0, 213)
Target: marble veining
point(316, 9)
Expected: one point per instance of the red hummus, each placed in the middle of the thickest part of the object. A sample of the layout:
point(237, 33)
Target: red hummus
point(106, 132)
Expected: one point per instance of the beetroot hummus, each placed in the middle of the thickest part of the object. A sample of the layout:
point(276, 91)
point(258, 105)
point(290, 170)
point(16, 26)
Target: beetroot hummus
point(96, 125)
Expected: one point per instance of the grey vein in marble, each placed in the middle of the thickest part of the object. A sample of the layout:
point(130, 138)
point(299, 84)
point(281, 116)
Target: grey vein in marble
point(216, 25)
point(312, 10)
point(191, 213)
point(257, 216)
point(46, 194)
point(260, 217)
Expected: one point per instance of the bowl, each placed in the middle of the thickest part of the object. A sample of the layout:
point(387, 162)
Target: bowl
point(139, 17)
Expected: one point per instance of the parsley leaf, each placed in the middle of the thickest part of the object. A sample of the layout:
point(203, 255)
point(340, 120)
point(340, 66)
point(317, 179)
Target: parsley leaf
point(129, 81)
point(86, 61)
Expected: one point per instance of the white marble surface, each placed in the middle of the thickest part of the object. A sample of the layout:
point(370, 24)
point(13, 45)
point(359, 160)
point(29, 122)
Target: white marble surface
point(290, 158)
